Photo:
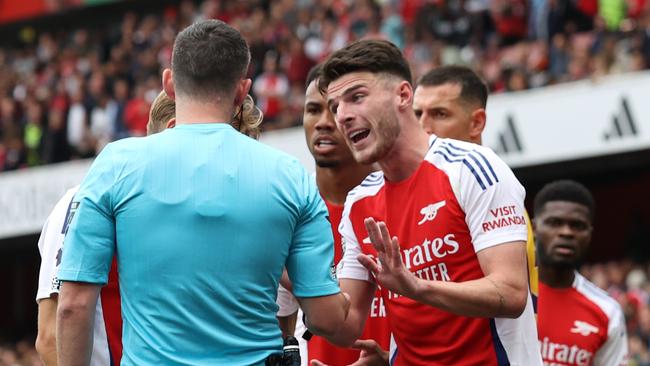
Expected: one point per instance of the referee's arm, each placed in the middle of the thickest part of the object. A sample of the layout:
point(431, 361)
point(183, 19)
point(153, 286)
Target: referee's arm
point(342, 332)
point(74, 328)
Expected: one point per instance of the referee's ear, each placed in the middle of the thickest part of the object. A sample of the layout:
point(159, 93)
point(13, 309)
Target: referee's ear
point(243, 87)
point(168, 84)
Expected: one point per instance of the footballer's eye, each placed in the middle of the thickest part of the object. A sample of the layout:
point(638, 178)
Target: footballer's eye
point(418, 113)
point(578, 225)
point(439, 113)
point(313, 110)
point(554, 222)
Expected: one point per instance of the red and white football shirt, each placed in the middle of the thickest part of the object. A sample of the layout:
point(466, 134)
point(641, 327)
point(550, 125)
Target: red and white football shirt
point(107, 336)
point(462, 199)
point(580, 326)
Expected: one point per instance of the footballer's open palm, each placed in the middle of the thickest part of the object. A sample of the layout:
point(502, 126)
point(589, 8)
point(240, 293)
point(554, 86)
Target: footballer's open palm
point(388, 268)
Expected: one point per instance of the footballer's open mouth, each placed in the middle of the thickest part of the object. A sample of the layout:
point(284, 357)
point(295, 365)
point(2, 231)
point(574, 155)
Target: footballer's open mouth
point(565, 249)
point(324, 144)
point(358, 135)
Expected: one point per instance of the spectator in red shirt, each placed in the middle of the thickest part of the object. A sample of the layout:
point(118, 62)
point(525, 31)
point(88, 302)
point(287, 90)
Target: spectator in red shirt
point(136, 113)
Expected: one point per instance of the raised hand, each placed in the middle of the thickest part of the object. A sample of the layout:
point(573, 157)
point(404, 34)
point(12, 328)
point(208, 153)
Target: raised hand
point(388, 269)
point(371, 353)
point(317, 363)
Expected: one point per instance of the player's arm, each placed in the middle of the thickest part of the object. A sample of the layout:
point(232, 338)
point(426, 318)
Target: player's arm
point(46, 337)
point(49, 246)
point(46, 298)
point(288, 324)
point(614, 351)
point(75, 314)
point(325, 316)
point(287, 310)
point(501, 293)
point(360, 295)
point(285, 281)
point(86, 260)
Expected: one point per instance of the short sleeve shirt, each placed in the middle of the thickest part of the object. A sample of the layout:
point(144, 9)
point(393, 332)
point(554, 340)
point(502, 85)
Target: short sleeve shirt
point(202, 220)
point(461, 200)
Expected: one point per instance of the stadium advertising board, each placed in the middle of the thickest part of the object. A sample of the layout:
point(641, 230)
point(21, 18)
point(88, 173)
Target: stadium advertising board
point(571, 121)
point(28, 196)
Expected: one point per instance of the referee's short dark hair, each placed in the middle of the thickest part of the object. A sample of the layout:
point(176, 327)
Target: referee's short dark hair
point(208, 60)
point(472, 88)
point(564, 190)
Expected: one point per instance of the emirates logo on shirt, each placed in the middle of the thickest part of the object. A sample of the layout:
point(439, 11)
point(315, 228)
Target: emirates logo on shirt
point(558, 354)
point(583, 328)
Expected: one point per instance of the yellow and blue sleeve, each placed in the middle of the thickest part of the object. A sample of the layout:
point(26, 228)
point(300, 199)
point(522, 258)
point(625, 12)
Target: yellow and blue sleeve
point(533, 276)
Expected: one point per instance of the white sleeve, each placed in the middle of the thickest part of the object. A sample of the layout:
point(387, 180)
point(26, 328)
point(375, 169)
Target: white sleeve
point(492, 199)
point(614, 351)
point(288, 304)
point(47, 273)
point(50, 246)
point(349, 267)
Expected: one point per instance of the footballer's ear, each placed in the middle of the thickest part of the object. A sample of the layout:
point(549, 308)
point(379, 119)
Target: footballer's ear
point(477, 124)
point(168, 84)
point(405, 95)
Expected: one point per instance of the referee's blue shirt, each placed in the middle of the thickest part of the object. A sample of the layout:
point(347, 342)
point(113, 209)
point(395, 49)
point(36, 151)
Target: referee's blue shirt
point(202, 220)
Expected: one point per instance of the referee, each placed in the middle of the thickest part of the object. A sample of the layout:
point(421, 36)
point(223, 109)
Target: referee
point(202, 220)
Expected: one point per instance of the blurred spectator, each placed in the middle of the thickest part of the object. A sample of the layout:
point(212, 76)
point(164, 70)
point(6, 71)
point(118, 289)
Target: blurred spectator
point(136, 112)
point(22, 353)
point(271, 88)
point(297, 63)
point(613, 12)
point(54, 145)
point(77, 132)
point(121, 96)
point(509, 18)
point(33, 132)
point(628, 283)
point(102, 121)
point(559, 57)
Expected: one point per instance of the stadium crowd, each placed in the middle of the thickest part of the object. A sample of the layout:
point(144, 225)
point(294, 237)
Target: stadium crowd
point(628, 283)
point(66, 94)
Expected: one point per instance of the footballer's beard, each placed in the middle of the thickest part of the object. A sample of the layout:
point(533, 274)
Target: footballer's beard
point(548, 260)
point(327, 163)
point(386, 135)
